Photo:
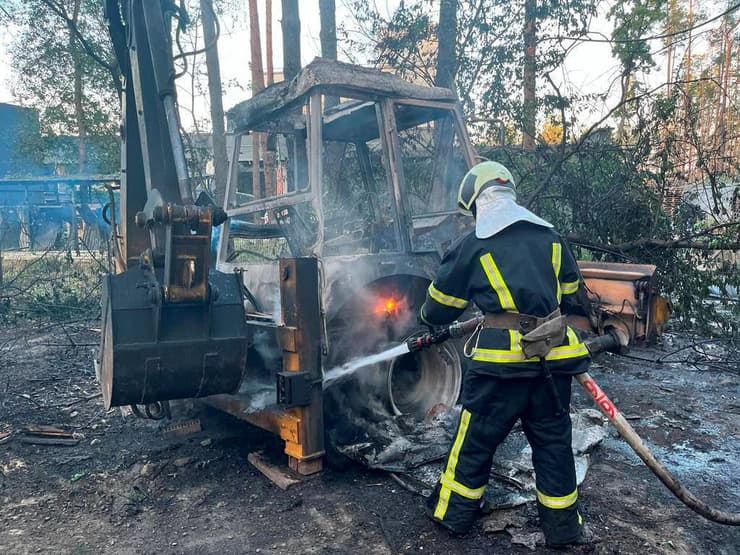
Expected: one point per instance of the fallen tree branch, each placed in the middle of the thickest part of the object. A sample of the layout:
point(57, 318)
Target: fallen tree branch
point(650, 242)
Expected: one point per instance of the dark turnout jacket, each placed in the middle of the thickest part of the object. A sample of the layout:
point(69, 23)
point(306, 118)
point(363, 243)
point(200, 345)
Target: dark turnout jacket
point(524, 268)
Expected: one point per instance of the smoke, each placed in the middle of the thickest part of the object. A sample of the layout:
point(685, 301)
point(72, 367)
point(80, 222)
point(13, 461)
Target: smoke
point(361, 427)
point(372, 318)
point(366, 313)
point(372, 321)
point(264, 359)
point(277, 308)
point(268, 350)
point(357, 410)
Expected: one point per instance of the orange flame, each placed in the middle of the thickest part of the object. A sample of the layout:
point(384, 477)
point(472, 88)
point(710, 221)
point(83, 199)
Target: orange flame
point(388, 305)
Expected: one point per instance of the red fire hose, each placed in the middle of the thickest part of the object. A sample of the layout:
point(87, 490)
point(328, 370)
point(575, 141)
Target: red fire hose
point(630, 436)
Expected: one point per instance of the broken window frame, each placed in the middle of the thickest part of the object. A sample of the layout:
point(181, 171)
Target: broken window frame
point(391, 159)
point(400, 187)
point(311, 108)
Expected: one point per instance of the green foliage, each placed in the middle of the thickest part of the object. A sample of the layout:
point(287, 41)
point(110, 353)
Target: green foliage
point(405, 42)
point(490, 48)
point(45, 57)
point(610, 195)
point(20, 143)
point(633, 21)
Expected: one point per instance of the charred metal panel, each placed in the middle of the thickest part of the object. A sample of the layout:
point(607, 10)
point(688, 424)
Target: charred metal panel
point(333, 77)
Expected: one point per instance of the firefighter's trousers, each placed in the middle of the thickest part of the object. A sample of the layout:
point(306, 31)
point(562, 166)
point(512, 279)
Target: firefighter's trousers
point(491, 407)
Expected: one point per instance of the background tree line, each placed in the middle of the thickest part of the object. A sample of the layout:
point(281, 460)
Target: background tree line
point(640, 167)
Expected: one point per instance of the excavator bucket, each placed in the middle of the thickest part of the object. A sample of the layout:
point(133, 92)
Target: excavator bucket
point(153, 351)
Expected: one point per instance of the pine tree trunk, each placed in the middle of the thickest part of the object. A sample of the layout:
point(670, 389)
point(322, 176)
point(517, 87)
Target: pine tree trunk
point(78, 92)
point(271, 142)
point(328, 35)
point(727, 44)
point(80, 117)
point(446, 41)
point(669, 47)
point(444, 130)
point(258, 83)
point(529, 75)
point(268, 43)
point(687, 100)
point(291, 26)
point(218, 136)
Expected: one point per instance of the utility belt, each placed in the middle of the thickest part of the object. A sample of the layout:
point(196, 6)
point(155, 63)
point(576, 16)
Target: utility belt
point(539, 337)
point(523, 323)
point(539, 334)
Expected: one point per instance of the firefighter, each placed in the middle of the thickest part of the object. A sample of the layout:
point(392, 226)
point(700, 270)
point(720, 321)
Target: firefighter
point(517, 270)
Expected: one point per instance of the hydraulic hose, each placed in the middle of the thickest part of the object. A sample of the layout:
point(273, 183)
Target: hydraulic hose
point(664, 475)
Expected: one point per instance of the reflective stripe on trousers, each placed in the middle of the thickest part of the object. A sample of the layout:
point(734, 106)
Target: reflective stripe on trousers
point(562, 502)
point(448, 484)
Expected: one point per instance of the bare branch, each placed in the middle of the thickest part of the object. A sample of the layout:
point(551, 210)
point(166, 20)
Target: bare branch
point(687, 242)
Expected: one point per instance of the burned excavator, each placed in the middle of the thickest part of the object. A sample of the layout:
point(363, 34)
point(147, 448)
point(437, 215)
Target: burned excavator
point(329, 239)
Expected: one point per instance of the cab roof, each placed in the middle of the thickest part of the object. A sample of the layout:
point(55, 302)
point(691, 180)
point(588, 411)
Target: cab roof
point(264, 110)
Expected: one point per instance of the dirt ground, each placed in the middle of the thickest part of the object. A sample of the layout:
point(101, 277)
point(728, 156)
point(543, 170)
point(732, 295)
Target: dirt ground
point(128, 488)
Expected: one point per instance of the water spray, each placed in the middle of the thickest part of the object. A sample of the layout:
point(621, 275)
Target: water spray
point(355, 364)
point(413, 344)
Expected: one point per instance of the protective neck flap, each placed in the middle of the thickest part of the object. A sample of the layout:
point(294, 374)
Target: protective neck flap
point(496, 209)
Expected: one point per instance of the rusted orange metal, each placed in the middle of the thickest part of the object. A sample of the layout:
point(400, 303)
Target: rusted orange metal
point(624, 300)
point(301, 345)
point(279, 422)
point(299, 337)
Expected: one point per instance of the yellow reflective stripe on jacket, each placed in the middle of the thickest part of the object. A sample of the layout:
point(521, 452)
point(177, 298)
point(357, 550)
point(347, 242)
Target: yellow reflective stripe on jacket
point(557, 257)
point(501, 355)
point(569, 287)
point(447, 300)
point(444, 493)
point(458, 488)
point(573, 349)
point(497, 282)
point(512, 354)
point(558, 502)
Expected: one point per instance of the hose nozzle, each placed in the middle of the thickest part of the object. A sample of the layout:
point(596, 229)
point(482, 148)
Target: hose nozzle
point(419, 342)
point(440, 335)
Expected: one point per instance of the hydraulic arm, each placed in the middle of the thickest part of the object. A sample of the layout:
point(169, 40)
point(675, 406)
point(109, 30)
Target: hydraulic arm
point(172, 327)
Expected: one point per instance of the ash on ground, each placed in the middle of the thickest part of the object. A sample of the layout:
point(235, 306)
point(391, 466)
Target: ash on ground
point(415, 450)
